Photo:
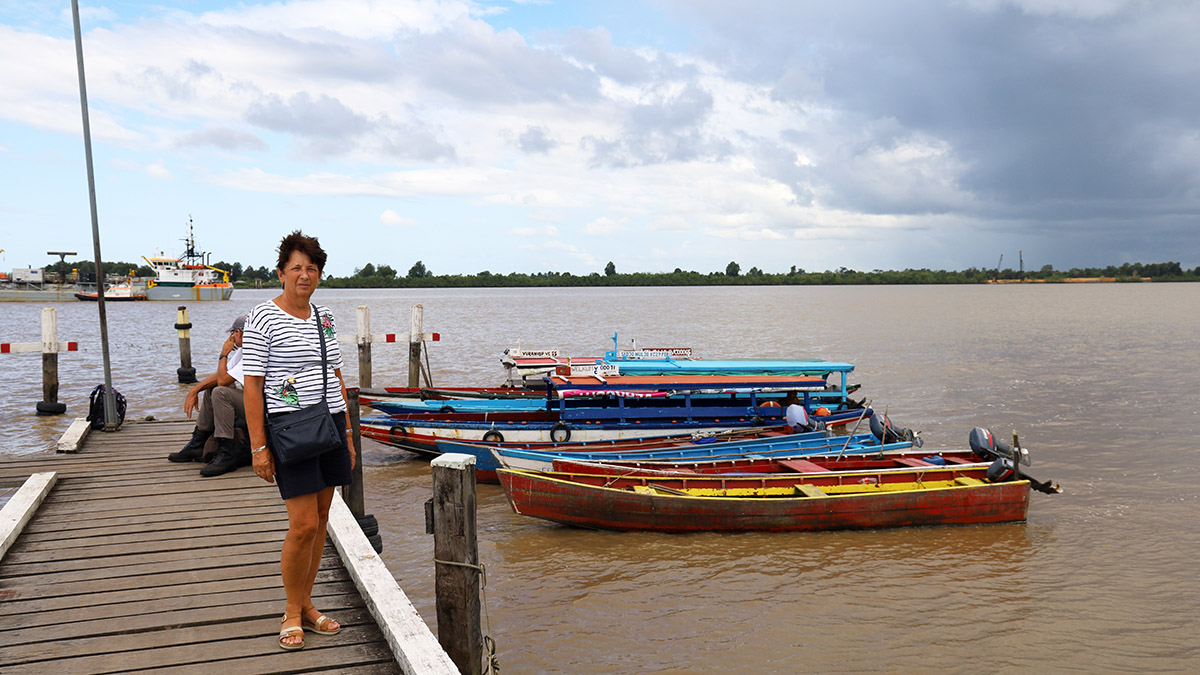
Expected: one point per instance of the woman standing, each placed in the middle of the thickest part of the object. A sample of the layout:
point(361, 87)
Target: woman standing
point(283, 373)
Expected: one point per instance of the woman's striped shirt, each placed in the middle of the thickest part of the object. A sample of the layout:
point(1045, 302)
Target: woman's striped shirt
point(284, 351)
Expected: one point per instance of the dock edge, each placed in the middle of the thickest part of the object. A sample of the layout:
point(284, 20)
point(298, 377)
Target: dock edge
point(21, 507)
point(414, 645)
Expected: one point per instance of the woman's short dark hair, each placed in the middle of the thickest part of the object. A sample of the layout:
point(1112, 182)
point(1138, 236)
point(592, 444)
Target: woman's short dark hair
point(309, 246)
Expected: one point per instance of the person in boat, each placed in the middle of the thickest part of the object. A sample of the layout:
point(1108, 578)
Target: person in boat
point(797, 415)
point(282, 366)
point(219, 400)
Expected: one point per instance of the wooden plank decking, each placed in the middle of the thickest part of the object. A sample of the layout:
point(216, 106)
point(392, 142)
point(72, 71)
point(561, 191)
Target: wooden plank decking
point(136, 563)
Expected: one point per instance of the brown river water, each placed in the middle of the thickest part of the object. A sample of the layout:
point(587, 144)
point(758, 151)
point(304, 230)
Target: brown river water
point(1099, 380)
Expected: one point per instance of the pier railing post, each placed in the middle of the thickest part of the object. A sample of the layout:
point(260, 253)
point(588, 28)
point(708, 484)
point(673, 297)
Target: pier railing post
point(49, 404)
point(187, 374)
point(414, 346)
point(363, 336)
point(450, 516)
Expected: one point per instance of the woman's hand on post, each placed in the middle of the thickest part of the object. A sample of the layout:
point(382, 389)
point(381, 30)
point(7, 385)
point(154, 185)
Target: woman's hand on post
point(350, 446)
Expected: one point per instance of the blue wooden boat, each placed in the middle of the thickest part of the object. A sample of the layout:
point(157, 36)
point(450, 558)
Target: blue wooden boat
point(543, 460)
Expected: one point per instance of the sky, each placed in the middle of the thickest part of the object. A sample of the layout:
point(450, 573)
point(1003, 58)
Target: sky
point(543, 136)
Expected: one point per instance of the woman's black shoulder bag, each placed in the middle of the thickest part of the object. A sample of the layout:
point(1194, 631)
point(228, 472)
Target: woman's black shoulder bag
point(308, 432)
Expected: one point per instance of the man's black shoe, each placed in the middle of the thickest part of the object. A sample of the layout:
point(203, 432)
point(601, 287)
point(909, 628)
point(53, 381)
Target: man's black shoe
point(224, 459)
point(194, 450)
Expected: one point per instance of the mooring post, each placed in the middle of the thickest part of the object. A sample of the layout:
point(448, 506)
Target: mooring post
point(353, 493)
point(363, 336)
point(187, 374)
point(450, 517)
point(414, 346)
point(49, 404)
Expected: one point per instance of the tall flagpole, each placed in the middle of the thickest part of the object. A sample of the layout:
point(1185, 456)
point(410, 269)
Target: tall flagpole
point(110, 407)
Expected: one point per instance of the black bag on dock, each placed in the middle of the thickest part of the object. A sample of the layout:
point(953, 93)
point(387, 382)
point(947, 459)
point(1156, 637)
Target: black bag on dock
point(96, 407)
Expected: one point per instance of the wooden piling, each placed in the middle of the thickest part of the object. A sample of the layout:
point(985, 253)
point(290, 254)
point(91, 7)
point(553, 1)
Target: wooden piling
point(49, 404)
point(363, 336)
point(353, 493)
point(414, 346)
point(456, 559)
point(187, 374)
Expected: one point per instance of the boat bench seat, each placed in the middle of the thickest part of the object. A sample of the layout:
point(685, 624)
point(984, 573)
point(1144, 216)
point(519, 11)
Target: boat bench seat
point(801, 465)
point(811, 490)
point(968, 481)
point(913, 461)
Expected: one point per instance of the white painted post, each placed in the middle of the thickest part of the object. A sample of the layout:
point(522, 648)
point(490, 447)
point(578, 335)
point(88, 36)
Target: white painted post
point(414, 346)
point(185, 371)
point(363, 337)
point(49, 404)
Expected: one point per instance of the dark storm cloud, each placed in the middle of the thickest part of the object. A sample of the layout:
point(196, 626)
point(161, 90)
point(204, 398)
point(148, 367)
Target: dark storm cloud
point(223, 138)
point(1047, 113)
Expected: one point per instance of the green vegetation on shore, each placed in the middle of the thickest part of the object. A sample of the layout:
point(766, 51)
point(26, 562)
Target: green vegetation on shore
point(384, 276)
point(418, 276)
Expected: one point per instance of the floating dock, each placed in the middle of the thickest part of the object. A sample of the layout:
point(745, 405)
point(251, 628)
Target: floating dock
point(130, 562)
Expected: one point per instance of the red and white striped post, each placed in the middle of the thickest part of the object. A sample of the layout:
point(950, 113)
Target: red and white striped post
point(49, 348)
point(364, 339)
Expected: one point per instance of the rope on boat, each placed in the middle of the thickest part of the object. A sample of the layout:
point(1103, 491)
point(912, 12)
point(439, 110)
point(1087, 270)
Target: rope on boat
point(491, 664)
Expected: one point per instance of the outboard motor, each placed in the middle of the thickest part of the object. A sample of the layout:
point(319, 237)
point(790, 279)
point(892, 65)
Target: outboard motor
point(886, 432)
point(1001, 470)
point(986, 446)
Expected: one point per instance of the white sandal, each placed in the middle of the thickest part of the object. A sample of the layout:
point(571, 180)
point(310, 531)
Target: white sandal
point(289, 632)
point(318, 626)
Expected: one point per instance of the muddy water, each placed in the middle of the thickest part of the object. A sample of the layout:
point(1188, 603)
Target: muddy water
point(1100, 381)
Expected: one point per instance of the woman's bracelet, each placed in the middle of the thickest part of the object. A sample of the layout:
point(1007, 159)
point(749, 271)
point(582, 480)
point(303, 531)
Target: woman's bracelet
point(258, 450)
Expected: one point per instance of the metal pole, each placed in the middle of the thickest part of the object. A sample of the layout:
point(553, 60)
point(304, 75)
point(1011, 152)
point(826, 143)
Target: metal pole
point(110, 404)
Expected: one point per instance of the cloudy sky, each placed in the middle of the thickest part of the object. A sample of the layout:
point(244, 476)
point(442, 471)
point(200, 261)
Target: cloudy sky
point(541, 135)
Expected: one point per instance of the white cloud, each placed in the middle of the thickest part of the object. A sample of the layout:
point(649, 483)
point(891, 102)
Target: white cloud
point(547, 231)
point(605, 226)
point(390, 217)
point(159, 170)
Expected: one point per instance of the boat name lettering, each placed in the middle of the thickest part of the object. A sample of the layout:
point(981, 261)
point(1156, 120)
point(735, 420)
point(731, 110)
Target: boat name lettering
point(656, 353)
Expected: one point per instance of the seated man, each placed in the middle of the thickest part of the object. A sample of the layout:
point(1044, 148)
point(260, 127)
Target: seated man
point(797, 415)
point(219, 397)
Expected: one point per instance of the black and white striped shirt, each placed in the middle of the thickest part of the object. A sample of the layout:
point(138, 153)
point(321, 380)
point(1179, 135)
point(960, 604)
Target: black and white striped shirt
point(284, 351)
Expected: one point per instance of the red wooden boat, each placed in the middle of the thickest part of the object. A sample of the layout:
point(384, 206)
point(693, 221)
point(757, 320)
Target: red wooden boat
point(769, 465)
point(790, 503)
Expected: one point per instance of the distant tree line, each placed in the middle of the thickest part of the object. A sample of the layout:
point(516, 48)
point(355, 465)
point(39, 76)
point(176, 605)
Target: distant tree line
point(384, 276)
point(419, 276)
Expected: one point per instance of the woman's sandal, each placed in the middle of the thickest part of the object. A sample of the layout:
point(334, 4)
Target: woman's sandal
point(291, 632)
point(319, 626)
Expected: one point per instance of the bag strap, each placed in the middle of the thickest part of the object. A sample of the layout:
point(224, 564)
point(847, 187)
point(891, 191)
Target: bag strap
point(321, 339)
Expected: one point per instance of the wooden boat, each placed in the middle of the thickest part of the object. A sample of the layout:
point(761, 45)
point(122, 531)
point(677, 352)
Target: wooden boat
point(768, 465)
point(387, 432)
point(421, 433)
point(792, 503)
point(526, 367)
point(488, 458)
point(543, 460)
point(608, 414)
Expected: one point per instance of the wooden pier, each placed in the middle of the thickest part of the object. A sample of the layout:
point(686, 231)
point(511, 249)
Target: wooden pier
point(132, 562)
